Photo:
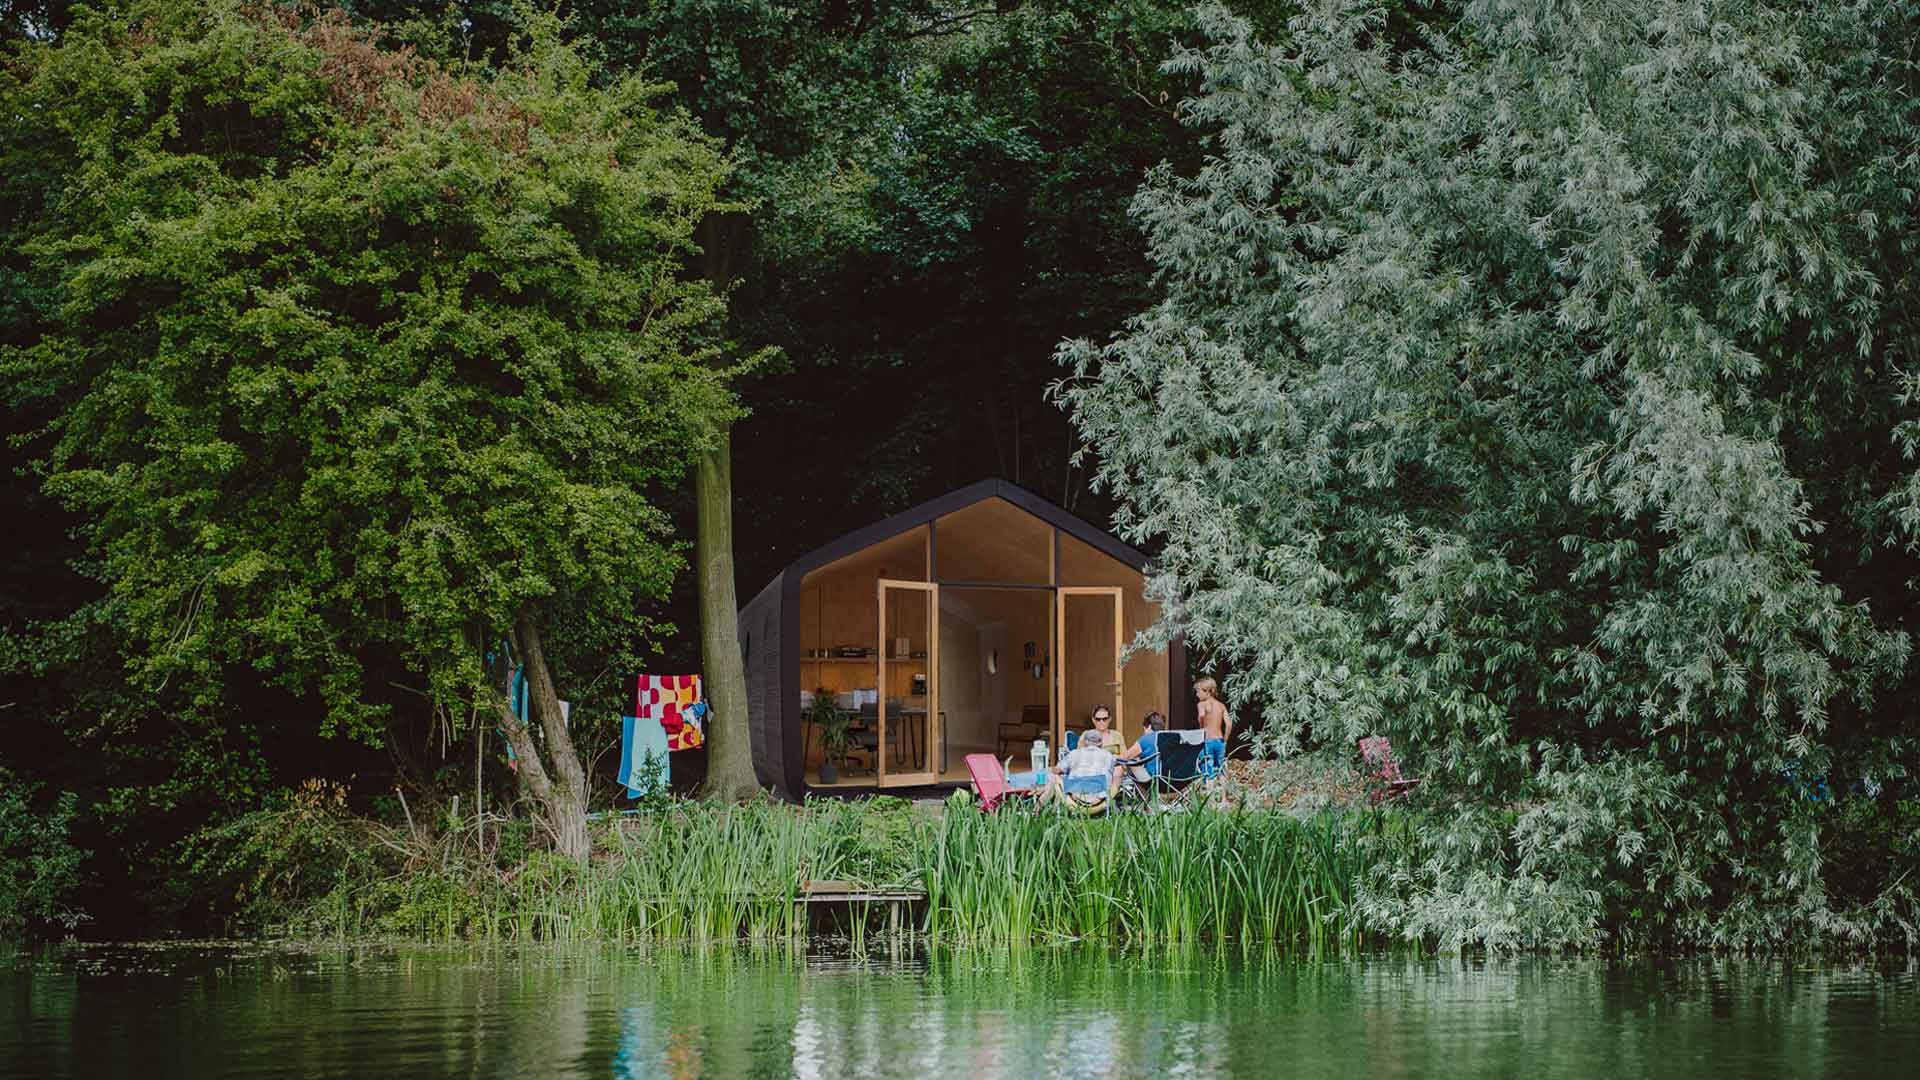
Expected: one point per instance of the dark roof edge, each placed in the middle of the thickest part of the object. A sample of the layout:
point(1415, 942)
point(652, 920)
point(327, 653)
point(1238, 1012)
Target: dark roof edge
point(768, 594)
point(960, 498)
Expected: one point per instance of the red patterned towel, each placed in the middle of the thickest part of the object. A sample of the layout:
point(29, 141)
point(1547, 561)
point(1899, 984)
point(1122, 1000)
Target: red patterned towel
point(667, 700)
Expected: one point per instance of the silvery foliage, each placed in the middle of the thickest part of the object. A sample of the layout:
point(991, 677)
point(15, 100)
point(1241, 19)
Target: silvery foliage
point(1460, 422)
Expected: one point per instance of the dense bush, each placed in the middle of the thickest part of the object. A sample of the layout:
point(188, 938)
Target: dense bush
point(259, 871)
point(39, 864)
point(1869, 841)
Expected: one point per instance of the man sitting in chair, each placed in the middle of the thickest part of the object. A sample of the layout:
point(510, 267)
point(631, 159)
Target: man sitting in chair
point(1087, 773)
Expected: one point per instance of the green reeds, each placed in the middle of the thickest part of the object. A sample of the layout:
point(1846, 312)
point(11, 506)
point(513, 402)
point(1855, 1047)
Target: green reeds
point(700, 874)
point(1174, 878)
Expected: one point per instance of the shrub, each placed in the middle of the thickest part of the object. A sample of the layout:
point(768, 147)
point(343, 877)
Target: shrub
point(39, 865)
point(260, 870)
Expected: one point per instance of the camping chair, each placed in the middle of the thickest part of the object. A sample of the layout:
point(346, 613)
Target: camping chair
point(1377, 753)
point(1088, 795)
point(990, 783)
point(1133, 790)
point(1173, 767)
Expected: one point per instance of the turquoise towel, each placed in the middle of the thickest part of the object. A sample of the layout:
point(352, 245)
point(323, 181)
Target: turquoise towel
point(640, 739)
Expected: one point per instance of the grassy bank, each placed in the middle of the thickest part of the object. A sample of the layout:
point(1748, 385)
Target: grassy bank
point(689, 872)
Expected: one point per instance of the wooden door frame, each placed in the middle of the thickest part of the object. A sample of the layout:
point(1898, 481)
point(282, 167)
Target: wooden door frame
point(1061, 593)
point(931, 773)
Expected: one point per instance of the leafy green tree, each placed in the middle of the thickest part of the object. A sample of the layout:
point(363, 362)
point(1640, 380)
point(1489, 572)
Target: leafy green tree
point(1528, 387)
point(793, 92)
point(360, 360)
point(39, 864)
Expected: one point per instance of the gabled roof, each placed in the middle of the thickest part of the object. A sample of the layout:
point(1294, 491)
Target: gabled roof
point(860, 539)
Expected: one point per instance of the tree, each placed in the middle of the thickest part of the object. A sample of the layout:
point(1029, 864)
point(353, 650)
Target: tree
point(361, 357)
point(1526, 387)
point(730, 772)
point(938, 195)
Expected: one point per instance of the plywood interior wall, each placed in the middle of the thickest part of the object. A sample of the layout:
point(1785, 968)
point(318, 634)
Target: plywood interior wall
point(993, 540)
point(974, 624)
point(839, 606)
point(1144, 676)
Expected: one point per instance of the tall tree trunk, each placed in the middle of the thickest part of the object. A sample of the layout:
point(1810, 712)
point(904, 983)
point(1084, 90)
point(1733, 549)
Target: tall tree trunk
point(560, 788)
point(730, 774)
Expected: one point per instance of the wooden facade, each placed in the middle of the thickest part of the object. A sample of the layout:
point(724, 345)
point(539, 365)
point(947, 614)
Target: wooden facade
point(946, 628)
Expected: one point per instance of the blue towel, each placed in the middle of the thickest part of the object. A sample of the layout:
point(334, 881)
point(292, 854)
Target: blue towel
point(1086, 785)
point(640, 740)
point(517, 700)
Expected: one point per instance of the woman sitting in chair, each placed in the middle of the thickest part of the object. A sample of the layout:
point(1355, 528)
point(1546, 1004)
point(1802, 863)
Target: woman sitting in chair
point(1103, 726)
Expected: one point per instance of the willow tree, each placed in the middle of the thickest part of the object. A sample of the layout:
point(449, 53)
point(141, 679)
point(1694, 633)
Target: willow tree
point(355, 358)
point(1527, 387)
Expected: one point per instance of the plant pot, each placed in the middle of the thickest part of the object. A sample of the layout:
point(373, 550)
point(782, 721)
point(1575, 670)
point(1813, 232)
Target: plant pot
point(829, 772)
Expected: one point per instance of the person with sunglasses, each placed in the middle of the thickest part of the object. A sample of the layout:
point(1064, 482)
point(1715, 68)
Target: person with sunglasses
point(1103, 725)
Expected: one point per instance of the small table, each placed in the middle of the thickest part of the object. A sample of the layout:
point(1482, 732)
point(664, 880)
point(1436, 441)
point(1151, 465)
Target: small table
point(1025, 782)
point(915, 731)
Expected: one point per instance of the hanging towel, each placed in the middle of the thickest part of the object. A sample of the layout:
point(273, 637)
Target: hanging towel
point(668, 700)
point(639, 741)
point(517, 699)
point(662, 697)
point(1192, 736)
point(691, 733)
point(520, 694)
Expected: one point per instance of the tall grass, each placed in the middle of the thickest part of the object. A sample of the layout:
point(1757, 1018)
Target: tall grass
point(702, 874)
point(1175, 878)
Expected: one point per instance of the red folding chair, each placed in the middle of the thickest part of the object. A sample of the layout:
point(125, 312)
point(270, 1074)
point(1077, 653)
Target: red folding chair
point(990, 782)
point(1377, 752)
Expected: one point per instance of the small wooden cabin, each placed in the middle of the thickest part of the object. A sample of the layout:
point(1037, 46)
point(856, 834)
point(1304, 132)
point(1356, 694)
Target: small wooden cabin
point(969, 624)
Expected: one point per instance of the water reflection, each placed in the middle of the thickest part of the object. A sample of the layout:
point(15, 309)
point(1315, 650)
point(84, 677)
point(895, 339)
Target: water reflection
point(225, 1011)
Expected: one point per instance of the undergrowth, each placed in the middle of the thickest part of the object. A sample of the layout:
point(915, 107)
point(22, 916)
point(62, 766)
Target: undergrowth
point(687, 871)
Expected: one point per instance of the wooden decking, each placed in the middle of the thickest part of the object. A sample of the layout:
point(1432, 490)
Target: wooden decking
point(843, 893)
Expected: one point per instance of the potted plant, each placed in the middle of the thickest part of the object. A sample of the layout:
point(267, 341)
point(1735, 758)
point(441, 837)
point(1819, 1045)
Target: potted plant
point(834, 733)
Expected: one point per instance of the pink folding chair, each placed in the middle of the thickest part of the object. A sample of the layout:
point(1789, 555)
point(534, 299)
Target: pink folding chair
point(990, 782)
point(1377, 752)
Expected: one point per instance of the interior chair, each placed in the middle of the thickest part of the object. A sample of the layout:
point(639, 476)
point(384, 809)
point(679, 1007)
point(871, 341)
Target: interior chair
point(863, 735)
point(1031, 725)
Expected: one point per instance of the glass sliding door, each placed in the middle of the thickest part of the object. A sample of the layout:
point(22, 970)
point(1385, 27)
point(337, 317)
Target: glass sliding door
point(908, 674)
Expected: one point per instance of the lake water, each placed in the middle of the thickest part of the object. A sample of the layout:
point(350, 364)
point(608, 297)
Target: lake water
point(257, 1011)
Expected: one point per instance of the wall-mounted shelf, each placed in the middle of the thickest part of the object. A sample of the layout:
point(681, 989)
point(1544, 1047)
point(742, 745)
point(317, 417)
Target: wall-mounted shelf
point(860, 660)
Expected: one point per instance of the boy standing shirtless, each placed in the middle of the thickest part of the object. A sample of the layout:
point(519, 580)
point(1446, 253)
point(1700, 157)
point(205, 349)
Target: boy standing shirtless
point(1216, 724)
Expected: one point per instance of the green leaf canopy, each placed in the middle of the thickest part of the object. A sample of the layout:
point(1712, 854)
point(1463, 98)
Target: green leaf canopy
point(1527, 387)
point(355, 357)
